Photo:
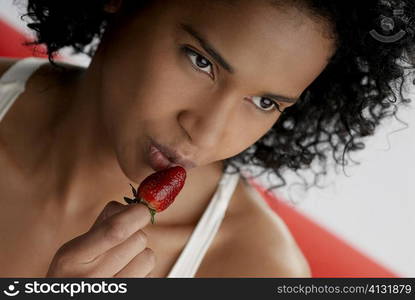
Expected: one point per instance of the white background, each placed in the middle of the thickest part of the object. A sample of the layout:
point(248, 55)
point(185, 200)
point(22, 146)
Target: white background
point(374, 207)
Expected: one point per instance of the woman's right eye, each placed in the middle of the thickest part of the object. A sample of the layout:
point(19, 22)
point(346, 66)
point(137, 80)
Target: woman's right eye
point(199, 62)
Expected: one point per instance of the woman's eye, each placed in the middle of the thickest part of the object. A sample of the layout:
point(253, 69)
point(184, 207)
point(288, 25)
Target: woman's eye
point(200, 62)
point(266, 104)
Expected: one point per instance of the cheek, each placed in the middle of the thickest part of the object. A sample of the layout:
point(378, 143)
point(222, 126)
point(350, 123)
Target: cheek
point(165, 83)
point(137, 88)
point(244, 130)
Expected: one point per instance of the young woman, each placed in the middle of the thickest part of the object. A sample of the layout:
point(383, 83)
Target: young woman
point(204, 84)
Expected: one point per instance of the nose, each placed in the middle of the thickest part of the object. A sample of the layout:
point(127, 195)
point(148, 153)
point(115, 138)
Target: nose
point(207, 120)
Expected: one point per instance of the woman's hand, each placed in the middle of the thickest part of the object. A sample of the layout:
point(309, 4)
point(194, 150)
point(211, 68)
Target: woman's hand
point(113, 247)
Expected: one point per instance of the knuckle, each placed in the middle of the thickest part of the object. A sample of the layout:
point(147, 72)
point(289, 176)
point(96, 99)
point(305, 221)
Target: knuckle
point(113, 207)
point(150, 256)
point(110, 206)
point(115, 231)
point(64, 253)
point(113, 203)
point(142, 237)
point(63, 262)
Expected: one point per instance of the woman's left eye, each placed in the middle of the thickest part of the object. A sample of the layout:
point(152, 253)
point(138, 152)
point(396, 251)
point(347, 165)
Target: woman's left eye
point(200, 62)
point(266, 104)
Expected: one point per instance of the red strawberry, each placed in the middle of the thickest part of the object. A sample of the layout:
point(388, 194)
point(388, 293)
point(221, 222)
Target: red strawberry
point(159, 189)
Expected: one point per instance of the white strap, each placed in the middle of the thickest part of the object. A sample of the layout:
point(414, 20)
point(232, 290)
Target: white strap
point(22, 69)
point(206, 229)
point(8, 94)
point(13, 81)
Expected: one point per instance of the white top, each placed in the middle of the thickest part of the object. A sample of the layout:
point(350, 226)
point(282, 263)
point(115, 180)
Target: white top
point(13, 83)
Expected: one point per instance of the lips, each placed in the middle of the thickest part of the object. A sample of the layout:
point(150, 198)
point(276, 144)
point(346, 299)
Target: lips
point(161, 157)
point(157, 159)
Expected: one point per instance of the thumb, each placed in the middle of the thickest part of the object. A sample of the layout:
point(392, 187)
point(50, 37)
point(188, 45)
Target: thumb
point(111, 208)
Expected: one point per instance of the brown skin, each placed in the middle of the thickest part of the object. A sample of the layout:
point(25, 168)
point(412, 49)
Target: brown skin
point(142, 84)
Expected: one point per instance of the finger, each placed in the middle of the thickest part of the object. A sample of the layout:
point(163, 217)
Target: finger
point(110, 209)
point(140, 266)
point(115, 259)
point(111, 232)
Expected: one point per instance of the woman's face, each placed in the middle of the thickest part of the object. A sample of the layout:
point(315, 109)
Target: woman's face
point(205, 78)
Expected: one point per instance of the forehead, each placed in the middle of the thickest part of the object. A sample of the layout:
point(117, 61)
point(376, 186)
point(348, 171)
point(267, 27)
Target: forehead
point(261, 40)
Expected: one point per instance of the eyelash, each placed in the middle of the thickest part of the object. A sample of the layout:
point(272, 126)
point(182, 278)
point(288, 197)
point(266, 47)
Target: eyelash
point(190, 52)
point(275, 103)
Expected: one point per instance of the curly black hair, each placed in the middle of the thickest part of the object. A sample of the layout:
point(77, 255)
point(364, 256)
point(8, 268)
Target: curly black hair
point(362, 84)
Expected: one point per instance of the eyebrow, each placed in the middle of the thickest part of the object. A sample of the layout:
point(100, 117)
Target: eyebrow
point(207, 46)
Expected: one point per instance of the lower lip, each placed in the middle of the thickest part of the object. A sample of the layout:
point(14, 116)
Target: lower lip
point(157, 159)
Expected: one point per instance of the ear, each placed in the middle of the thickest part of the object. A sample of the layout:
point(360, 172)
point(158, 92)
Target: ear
point(112, 6)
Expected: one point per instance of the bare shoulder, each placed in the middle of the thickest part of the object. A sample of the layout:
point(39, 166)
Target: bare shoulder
point(46, 75)
point(36, 105)
point(263, 246)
